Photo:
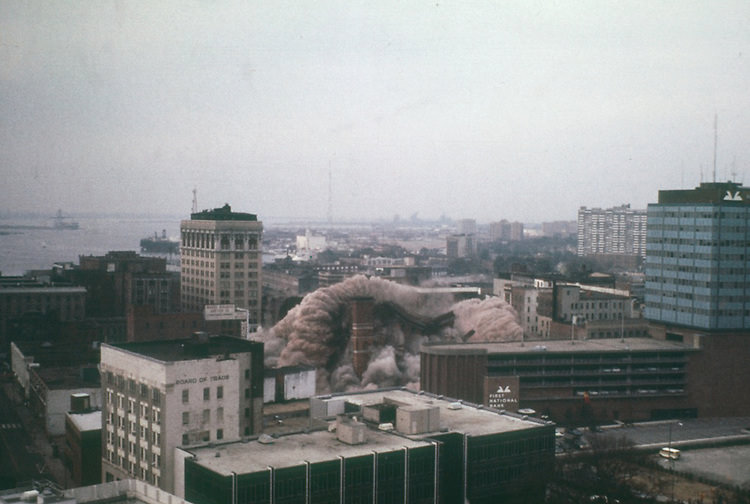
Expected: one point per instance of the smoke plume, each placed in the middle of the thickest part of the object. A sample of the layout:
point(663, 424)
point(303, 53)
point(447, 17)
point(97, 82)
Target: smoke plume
point(317, 331)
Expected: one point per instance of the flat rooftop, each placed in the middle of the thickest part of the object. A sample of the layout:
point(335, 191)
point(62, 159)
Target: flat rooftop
point(189, 348)
point(294, 449)
point(88, 421)
point(561, 346)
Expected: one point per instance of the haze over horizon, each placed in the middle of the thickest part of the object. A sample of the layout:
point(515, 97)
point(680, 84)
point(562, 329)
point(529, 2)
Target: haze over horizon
point(468, 109)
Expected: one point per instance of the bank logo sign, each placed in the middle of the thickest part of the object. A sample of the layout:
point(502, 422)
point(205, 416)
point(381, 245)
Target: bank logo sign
point(501, 392)
point(733, 196)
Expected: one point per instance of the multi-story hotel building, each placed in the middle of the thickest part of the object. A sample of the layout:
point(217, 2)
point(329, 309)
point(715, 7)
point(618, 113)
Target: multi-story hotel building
point(698, 257)
point(220, 256)
point(617, 230)
point(159, 395)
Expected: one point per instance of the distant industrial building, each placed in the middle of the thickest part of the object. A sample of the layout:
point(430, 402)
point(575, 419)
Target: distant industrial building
point(460, 246)
point(162, 394)
point(611, 231)
point(221, 257)
point(506, 231)
point(467, 226)
point(381, 446)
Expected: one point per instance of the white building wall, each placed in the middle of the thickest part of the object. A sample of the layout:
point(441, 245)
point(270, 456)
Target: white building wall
point(174, 377)
point(269, 389)
point(299, 385)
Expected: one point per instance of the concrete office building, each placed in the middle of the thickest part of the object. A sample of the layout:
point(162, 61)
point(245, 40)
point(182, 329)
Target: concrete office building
point(220, 256)
point(381, 446)
point(162, 394)
point(600, 380)
point(618, 230)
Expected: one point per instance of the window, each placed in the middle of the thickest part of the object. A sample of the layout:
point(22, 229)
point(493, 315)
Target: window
point(206, 394)
point(185, 439)
point(219, 433)
point(247, 393)
point(220, 415)
point(206, 416)
point(185, 396)
point(185, 417)
point(220, 392)
point(247, 374)
point(247, 412)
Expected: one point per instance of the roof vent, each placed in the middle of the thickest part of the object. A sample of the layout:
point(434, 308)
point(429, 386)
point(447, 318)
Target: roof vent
point(265, 439)
point(455, 405)
point(387, 426)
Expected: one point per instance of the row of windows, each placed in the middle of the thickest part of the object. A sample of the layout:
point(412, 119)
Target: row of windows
point(206, 394)
point(205, 416)
point(692, 212)
point(133, 387)
point(689, 254)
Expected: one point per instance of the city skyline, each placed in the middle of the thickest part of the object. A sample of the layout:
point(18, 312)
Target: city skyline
point(481, 111)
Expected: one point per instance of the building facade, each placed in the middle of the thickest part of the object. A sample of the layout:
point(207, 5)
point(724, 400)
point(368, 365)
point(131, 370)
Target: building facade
point(381, 446)
point(574, 381)
point(162, 394)
point(221, 258)
point(698, 258)
point(616, 230)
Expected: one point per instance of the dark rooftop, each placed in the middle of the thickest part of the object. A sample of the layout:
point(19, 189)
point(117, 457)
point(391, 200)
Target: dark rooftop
point(223, 214)
point(708, 192)
point(199, 346)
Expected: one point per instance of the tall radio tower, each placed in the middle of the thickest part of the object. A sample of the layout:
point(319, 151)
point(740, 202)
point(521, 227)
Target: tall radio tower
point(330, 196)
point(716, 141)
point(195, 200)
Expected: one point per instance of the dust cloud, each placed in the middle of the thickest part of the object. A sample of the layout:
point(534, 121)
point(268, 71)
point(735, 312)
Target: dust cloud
point(317, 332)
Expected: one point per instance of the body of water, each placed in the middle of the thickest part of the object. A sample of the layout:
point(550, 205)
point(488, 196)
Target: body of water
point(35, 245)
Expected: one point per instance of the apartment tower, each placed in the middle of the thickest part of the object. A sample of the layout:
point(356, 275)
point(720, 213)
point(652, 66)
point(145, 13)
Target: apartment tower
point(617, 230)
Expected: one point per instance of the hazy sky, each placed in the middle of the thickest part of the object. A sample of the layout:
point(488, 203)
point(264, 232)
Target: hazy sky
point(521, 110)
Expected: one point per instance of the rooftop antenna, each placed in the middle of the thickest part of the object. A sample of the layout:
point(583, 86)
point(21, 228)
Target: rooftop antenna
point(195, 200)
point(716, 141)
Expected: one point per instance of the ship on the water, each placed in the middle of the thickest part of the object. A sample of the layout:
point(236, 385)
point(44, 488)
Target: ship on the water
point(60, 221)
point(160, 244)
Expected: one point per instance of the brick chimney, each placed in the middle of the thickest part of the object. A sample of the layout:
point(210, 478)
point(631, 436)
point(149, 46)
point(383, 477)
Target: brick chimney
point(362, 332)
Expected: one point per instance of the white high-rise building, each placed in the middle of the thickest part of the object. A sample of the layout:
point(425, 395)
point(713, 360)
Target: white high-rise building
point(221, 261)
point(159, 395)
point(617, 230)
